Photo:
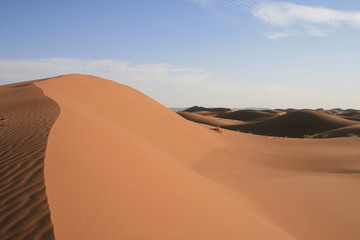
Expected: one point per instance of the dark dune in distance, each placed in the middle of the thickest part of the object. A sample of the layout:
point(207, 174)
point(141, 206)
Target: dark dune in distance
point(198, 109)
point(348, 131)
point(283, 123)
point(247, 115)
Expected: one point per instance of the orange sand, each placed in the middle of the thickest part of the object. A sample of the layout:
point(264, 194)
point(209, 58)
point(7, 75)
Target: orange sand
point(119, 165)
point(26, 116)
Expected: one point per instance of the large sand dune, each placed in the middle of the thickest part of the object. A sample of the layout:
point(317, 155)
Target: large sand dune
point(119, 165)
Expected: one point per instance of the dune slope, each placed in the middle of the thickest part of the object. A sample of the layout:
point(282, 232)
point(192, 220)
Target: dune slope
point(121, 166)
point(26, 116)
point(209, 120)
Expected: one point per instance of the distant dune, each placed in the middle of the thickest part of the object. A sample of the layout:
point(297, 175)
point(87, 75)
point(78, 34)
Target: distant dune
point(201, 117)
point(247, 115)
point(348, 131)
point(118, 165)
point(202, 109)
point(296, 124)
point(293, 124)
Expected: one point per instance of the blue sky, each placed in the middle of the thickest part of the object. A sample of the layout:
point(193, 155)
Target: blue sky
point(236, 53)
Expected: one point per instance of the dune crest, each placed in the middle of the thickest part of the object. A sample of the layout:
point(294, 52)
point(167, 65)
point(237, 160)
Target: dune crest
point(247, 115)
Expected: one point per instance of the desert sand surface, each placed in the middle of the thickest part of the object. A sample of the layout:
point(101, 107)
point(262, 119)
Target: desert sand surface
point(119, 165)
point(210, 120)
point(26, 116)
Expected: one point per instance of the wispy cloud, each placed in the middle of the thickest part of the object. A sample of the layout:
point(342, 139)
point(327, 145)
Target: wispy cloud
point(170, 85)
point(286, 14)
point(313, 20)
point(278, 35)
point(316, 31)
point(222, 3)
point(227, 9)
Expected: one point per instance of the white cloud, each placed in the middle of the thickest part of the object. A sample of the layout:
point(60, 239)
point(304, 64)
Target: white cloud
point(317, 32)
point(170, 85)
point(224, 3)
point(151, 79)
point(316, 21)
point(278, 35)
point(25, 69)
point(286, 14)
point(180, 86)
point(227, 9)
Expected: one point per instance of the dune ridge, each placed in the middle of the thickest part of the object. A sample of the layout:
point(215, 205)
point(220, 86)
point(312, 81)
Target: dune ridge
point(247, 115)
point(208, 110)
point(135, 179)
point(26, 118)
point(209, 120)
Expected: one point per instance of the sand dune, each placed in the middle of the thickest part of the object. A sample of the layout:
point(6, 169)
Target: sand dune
point(278, 112)
point(296, 124)
point(119, 165)
point(26, 117)
point(112, 175)
point(247, 115)
point(350, 113)
point(349, 131)
point(354, 118)
point(203, 109)
point(209, 120)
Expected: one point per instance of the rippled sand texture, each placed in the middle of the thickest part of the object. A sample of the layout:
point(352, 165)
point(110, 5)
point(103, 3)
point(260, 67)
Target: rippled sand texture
point(26, 118)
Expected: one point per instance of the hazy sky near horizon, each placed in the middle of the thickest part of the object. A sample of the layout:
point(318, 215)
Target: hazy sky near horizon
point(234, 53)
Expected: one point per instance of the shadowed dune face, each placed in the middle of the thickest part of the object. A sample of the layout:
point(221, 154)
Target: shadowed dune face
point(296, 124)
point(247, 115)
point(203, 109)
point(349, 131)
point(351, 113)
point(212, 112)
point(26, 116)
point(354, 118)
